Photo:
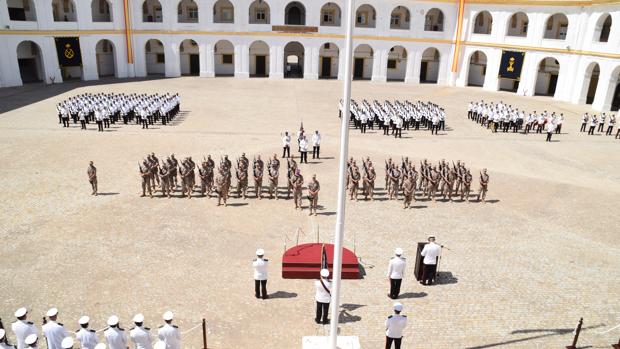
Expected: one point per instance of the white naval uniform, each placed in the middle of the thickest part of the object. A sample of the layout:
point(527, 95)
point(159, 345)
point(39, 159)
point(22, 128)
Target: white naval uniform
point(394, 325)
point(141, 337)
point(321, 295)
point(396, 268)
point(54, 334)
point(430, 252)
point(23, 329)
point(170, 335)
point(88, 338)
point(260, 269)
point(116, 338)
point(316, 140)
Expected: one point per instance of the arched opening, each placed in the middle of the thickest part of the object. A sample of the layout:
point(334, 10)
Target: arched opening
point(295, 14)
point(106, 59)
point(224, 58)
point(294, 60)
point(329, 54)
point(151, 11)
point(155, 57)
point(429, 67)
point(397, 64)
point(400, 18)
point(330, 15)
point(187, 11)
point(223, 12)
point(556, 27)
point(64, 11)
point(477, 69)
point(517, 25)
point(259, 59)
point(483, 24)
point(365, 16)
point(100, 10)
point(590, 82)
point(615, 102)
point(30, 62)
point(21, 10)
point(363, 59)
point(190, 57)
point(433, 21)
point(603, 28)
point(547, 78)
point(259, 12)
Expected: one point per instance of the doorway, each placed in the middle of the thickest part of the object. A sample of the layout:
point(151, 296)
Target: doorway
point(326, 67)
point(553, 82)
point(423, 68)
point(358, 71)
point(194, 64)
point(261, 66)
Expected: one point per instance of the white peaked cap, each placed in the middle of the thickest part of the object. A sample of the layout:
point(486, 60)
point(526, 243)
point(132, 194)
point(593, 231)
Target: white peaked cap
point(52, 312)
point(168, 315)
point(324, 273)
point(398, 251)
point(260, 252)
point(31, 339)
point(84, 320)
point(398, 307)
point(113, 320)
point(67, 343)
point(138, 318)
point(21, 312)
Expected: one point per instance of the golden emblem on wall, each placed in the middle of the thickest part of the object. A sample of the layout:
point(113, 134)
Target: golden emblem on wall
point(511, 63)
point(69, 53)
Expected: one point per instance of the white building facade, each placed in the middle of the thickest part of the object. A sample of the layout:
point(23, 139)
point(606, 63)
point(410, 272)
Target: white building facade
point(572, 48)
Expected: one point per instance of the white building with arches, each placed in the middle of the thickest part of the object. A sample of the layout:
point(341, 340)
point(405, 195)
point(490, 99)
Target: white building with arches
point(572, 48)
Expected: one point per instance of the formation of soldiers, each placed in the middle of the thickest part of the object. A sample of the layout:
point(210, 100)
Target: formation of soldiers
point(429, 181)
point(392, 118)
point(56, 336)
point(506, 118)
point(169, 175)
point(109, 108)
point(597, 124)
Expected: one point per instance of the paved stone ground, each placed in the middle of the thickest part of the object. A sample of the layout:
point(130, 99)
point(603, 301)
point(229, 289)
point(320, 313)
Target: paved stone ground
point(520, 271)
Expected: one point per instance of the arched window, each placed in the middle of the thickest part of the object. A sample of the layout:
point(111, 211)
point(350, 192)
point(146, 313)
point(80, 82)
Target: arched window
point(365, 16)
point(603, 28)
point(330, 15)
point(223, 12)
point(400, 18)
point(517, 25)
point(259, 12)
point(483, 24)
point(21, 10)
point(556, 27)
point(295, 14)
point(187, 12)
point(151, 11)
point(64, 11)
point(433, 21)
point(100, 10)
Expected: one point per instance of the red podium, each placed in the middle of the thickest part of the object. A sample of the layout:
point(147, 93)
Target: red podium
point(304, 262)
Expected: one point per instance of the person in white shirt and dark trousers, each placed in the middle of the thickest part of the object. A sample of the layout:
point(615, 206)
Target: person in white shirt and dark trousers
point(322, 297)
point(260, 274)
point(431, 253)
point(394, 326)
point(303, 150)
point(316, 145)
point(286, 145)
point(396, 270)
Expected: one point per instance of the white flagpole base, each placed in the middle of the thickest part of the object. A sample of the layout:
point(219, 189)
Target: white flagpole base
point(318, 342)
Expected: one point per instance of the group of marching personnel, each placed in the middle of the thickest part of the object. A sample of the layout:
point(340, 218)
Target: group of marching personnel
point(57, 337)
point(598, 124)
point(392, 118)
point(444, 179)
point(109, 108)
point(506, 118)
point(170, 174)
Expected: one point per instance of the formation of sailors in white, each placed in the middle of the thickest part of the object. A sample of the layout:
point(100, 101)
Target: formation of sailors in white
point(506, 118)
point(597, 124)
point(107, 108)
point(57, 337)
point(392, 118)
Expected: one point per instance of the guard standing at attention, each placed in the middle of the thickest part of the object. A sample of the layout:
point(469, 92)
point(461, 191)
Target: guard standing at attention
point(396, 270)
point(140, 335)
point(87, 337)
point(323, 297)
point(260, 265)
point(430, 252)
point(22, 328)
point(169, 333)
point(394, 326)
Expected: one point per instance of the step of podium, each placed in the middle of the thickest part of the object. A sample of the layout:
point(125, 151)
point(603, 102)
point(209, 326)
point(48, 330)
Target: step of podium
point(312, 272)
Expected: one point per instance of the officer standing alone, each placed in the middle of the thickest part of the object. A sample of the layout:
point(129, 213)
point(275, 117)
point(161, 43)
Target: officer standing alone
point(322, 297)
point(394, 326)
point(260, 265)
point(396, 270)
point(431, 253)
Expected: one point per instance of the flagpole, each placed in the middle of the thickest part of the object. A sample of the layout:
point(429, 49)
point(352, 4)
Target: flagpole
point(344, 147)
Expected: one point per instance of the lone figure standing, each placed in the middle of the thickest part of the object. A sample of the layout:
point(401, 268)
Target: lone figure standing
point(92, 177)
point(260, 274)
point(322, 296)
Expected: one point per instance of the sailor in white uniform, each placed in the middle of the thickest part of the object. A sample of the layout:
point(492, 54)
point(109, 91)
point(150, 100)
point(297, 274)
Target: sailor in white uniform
point(22, 328)
point(88, 338)
point(169, 333)
point(140, 335)
point(260, 265)
point(396, 271)
point(394, 326)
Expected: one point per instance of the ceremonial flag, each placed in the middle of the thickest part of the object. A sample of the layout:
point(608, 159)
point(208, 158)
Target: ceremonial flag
point(511, 65)
point(68, 51)
point(324, 264)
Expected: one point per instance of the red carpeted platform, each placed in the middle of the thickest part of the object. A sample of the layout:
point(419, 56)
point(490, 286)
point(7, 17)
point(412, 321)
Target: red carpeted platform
point(304, 262)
